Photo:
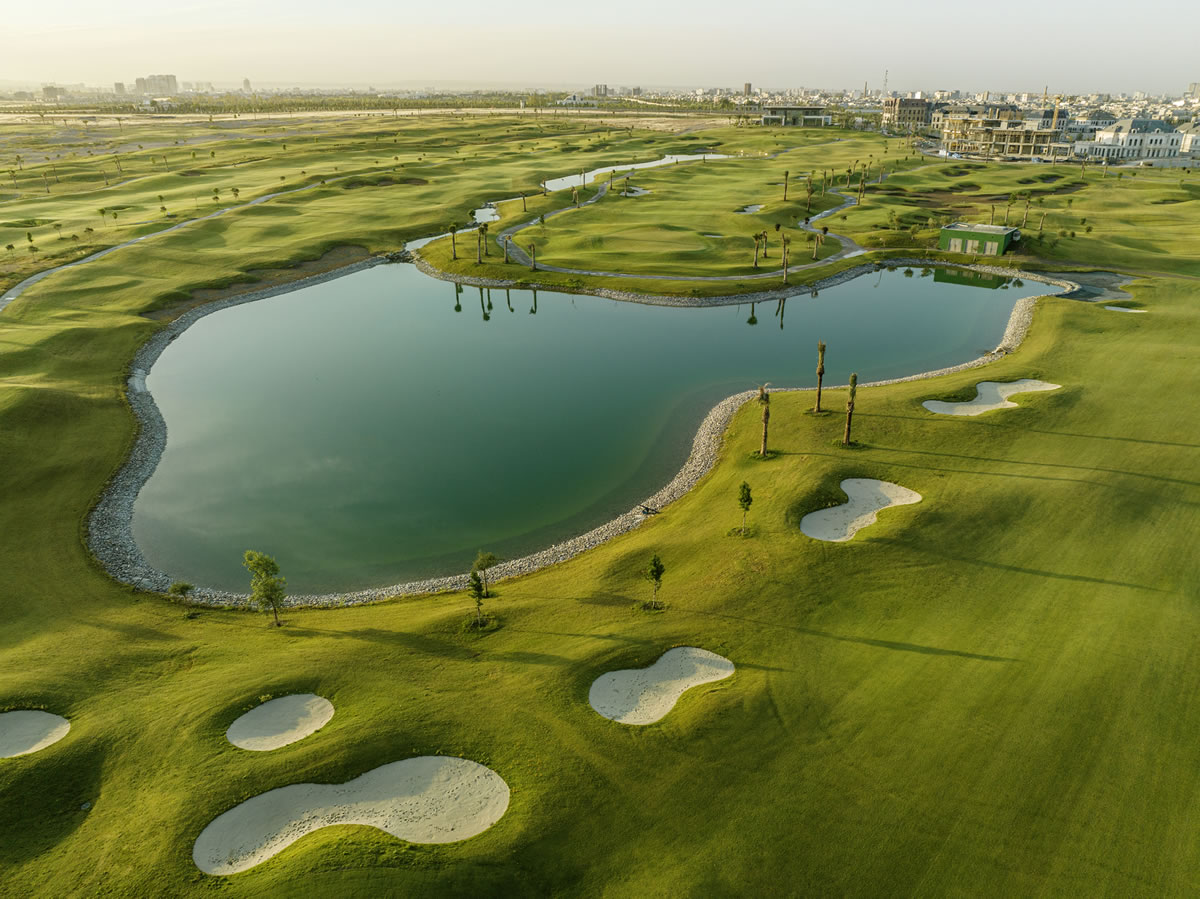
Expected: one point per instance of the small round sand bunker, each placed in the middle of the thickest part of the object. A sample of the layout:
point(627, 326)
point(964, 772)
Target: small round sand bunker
point(280, 721)
point(645, 695)
point(28, 730)
point(427, 799)
point(867, 496)
point(990, 395)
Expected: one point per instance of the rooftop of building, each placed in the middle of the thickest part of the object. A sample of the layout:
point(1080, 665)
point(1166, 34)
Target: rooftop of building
point(981, 229)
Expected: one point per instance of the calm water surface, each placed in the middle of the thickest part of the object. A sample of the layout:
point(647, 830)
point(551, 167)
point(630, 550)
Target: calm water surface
point(384, 426)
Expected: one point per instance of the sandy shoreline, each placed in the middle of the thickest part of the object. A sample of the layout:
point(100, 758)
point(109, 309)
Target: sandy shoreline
point(109, 525)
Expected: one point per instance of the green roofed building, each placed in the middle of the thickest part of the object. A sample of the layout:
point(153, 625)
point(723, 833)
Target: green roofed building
point(978, 240)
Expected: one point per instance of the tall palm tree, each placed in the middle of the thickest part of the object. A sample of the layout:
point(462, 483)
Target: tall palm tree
point(532, 256)
point(453, 229)
point(479, 232)
point(808, 189)
point(785, 185)
point(763, 236)
point(757, 238)
point(850, 408)
point(818, 239)
point(764, 400)
point(786, 243)
point(820, 373)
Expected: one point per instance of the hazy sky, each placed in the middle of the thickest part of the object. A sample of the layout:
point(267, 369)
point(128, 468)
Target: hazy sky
point(1017, 45)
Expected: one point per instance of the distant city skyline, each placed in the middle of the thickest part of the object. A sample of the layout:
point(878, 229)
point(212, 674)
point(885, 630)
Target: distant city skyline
point(1021, 47)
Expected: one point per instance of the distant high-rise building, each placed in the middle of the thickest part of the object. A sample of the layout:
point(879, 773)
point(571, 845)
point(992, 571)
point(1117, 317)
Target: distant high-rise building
point(158, 85)
point(600, 90)
point(746, 89)
point(246, 85)
point(1194, 89)
point(119, 87)
point(637, 91)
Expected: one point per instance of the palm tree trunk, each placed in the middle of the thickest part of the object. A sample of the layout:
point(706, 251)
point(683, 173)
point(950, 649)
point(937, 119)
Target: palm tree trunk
point(453, 247)
point(766, 418)
point(850, 408)
point(478, 247)
point(820, 373)
point(756, 251)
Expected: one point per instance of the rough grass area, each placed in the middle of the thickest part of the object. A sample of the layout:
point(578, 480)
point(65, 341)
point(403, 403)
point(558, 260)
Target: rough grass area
point(991, 692)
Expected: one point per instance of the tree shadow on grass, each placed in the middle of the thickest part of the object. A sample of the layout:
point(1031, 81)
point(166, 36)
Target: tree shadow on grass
point(1010, 474)
point(1117, 471)
point(864, 641)
point(971, 421)
point(42, 798)
point(422, 643)
point(912, 546)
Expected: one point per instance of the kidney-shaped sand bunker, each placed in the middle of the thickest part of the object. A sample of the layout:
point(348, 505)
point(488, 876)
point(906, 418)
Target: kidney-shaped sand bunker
point(28, 730)
point(280, 722)
point(427, 799)
point(867, 496)
point(990, 395)
point(645, 695)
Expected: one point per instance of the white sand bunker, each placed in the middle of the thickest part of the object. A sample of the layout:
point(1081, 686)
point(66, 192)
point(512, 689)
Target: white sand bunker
point(990, 395)
point(28, 730)
point(427, 799)
point(838, 524)
point(280, 722)
point(1123, 309)
point(645, 695)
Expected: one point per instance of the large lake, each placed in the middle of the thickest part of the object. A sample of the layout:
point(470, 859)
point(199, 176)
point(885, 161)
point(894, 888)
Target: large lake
point(384, 426)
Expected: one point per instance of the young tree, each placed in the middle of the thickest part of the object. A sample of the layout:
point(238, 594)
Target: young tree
point(654, 574)
point(266, 586)
point(475, 588)
point(745, 500)
point(764, 400)
point(484, 561)
point(850, 408)
point(820, 373)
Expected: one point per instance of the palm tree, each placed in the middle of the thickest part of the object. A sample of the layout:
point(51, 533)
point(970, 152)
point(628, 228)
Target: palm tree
point(757, 238)
point(818, 239)
point(524, 208)
point(764, 400)
point(785, 185)
point(820, 373)
point(850, 408)
point(753, 319)
point(808, 189)
point(763, 236)
point(453, 229)
point(532, 256)
point(786, 243)
point(506, 240)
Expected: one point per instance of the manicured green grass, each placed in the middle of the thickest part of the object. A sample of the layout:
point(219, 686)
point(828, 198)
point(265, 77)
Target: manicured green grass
point(987, 692)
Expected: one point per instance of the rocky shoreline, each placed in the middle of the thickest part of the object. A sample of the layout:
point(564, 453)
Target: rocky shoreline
point(110, 533)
